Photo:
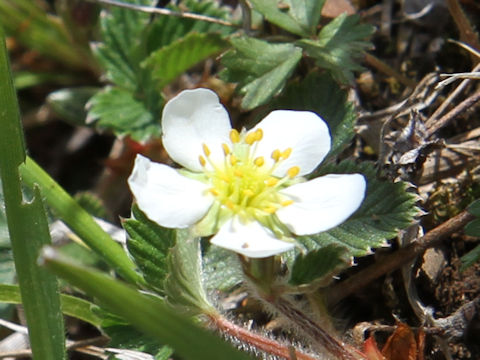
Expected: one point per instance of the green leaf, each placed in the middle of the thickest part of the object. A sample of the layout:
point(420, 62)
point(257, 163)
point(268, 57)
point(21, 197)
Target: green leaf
point(473, 228)
point(168, 29)
point(339, 46)
point(299, 17)
point(318, 265)
point(147, 313)
point(184, 283)
point(92, 204)
point(120, 51)
point(171, 61)
point(127, 337)
point(260, 68)
point(70, 103)
point(222, 270)
point(71, 305)
point(28, 229)
point(77, 219)
point(117, 110)
point(149, 244)
point(470, 258)
point(387, 208)
point(322, 95)
point(474, 208)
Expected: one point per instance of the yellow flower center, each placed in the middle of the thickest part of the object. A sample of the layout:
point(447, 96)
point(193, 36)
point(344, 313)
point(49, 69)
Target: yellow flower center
point(244, 183)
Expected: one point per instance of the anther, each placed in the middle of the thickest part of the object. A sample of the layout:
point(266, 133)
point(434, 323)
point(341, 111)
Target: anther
point(276, 155)
point(259, 161)
point(234, 136)
point(271, 182)
point(248, 193)
point(226, 149)
point(251, 138)
point(238, 173)
point(233, 160)
point(206, 150)
point(202, 161)
point(258, 134)
point(286, 202)
point(293, 171)
point(286, 153)
point(270, 209)
point(230, 204)
point(213, 192)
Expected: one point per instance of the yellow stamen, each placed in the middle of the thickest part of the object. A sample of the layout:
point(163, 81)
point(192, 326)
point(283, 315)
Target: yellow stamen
point(202, 161)
point(286, 202)
point(206, 150)
point(226, 149)
point(248, 193)
point(234, 136)
point(293, 171)
point(270, 209)
point(233, 160)
point(258, 134)
point(230, 204)
point(276, 155)
point(250, 138)
point(287, 153)
point(259, 161)
point(213, 192)
point(271, 182)
point(237, 173)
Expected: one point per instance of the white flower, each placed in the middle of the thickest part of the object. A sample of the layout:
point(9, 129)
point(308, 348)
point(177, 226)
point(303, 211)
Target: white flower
point(246, 188)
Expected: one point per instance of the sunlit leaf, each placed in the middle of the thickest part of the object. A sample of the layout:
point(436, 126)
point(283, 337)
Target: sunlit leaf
point(260, 68)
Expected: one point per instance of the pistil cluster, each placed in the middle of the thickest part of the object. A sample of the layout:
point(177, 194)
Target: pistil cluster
point(244, 183)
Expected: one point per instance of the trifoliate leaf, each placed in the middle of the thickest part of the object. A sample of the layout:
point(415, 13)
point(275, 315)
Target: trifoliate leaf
point(168, 29)
point(149, 244)
point(339, 46)
point(322, 95)
point(387, 208)
point(222, 270)
point(117, 110)
point(299, 17)
point(184, 285)
point(260, 68)
point(70, 103)
point(318, 265)
point(171, 61)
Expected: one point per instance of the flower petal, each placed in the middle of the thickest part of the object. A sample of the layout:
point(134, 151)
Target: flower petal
point(251, 239)
point(322, 203)
point(303, 131)
point(190, 119)
point(166, 197)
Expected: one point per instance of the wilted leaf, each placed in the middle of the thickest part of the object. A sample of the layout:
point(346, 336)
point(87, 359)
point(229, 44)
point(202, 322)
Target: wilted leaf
point(401, 345)
point(339, 46)
point(371, 350)
point(260, 68)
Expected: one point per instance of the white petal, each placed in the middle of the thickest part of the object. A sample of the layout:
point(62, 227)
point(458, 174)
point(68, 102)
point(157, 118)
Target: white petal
point(322, 203)
point(303, 131)
point(193, 118)
point(166, 197)
point(251, 239)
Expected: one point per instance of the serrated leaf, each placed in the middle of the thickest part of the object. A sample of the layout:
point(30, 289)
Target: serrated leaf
point(149, 245)
point(171, 61)
point(168, 29)
point(120, 51)
point(184, 285)
point(222, 271)
point(92, 203)
point(319, 265)
point(299, 17)
point(117, 110)
point(339, 46)
point(70, 103)
point(474, 208)
point(260, 68)
point(322, 95)
point(387, 208)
